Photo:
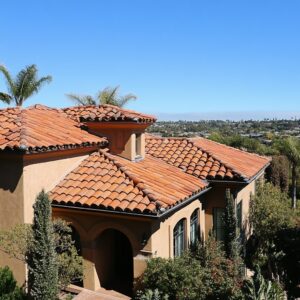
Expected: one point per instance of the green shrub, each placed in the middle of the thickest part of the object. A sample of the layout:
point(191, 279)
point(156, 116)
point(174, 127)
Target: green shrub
point(203, 274)
point(8, 286)
point(269, 212)
point(257, 288)
point(151, 295)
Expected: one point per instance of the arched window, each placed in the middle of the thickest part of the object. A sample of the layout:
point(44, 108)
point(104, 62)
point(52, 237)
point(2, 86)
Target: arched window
point(194, 227)
point(179, 237)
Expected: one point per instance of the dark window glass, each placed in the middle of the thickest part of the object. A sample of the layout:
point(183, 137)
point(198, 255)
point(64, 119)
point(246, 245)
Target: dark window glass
point(194, 227)
point(179, 238)
point(218, 225)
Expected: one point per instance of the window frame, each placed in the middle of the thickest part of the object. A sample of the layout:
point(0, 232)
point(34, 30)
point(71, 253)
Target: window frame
point(219, 230)
point(194, 227)
point(138, 144)
point(179, 238)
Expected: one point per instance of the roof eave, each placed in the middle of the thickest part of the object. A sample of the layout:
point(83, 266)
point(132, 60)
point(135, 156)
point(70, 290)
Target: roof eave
point(245, 182)
point(136, 214)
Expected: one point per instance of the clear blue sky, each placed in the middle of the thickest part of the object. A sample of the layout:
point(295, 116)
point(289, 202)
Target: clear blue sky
point(177, 56)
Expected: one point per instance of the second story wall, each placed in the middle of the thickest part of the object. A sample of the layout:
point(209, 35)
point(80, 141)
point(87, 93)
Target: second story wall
point(11, 206)
point(44, 172)
point(125, 139)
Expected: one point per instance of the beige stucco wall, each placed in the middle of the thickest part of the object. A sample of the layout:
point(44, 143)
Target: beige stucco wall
point(216, 198)
point(244, 195)
point(162, 237)
point(129, 151)
point(11, 207)
point(20, 182)
point(45, 173)
point(157, 235)
point(90, 225)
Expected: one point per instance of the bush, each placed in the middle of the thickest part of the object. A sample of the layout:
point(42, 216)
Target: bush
point(203, 274)
point(257, 288)
point(179, 278)
point(151, 295)
point(18, 243)
point(269, 212)
point(8, 286)
point(288, 243)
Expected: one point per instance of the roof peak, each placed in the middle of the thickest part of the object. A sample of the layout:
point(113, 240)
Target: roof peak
point(107, 181)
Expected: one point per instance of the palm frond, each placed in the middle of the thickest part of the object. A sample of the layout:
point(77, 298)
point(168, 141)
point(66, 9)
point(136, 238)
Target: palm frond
point(108, 96)
point(125, 99)
point(291, 149)
point(111, 96)
point(82, 99)
point(9, 80)
point(5, 98)
point(23, 84)
point(35, 86)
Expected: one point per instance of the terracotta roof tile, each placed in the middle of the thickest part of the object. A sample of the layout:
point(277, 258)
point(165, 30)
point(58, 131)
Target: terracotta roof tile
point(39, 128)
point(106, 113)
point(119, 184)
point(206, 159)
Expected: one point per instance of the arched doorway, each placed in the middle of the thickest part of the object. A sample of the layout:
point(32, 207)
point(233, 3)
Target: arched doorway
point(114, 261)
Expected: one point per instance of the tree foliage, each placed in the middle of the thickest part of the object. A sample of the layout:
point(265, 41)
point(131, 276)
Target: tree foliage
point(109, 95)
point(274, 243)
point(278, 172)
point(70, 263)
point(25, 85)
point(287, 242)
point(8, 286)
point(269, 211)
point(258, 288)
point(231, 244)
point(290, 147)
point(204, 274)
point(18, 243)
point(41, 259)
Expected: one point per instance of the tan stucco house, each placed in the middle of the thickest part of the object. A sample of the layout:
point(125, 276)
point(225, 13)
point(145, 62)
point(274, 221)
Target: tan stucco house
point(128, 196)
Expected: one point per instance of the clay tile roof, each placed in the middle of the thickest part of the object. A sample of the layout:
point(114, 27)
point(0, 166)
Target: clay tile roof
point(106, 113)
point(206, 159)
point(106, 181)
point(40, 128)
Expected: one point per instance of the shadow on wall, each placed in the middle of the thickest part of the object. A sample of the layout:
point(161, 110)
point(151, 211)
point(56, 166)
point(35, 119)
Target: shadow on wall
point(10, 173)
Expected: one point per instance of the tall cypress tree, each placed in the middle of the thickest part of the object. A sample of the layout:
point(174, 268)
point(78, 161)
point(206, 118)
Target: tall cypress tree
point(41, 258)
point(230, 222)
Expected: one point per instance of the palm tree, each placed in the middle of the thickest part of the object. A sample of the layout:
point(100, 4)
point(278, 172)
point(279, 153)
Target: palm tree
point(82, 99)
point(111, 96)
point(290, 147)
point(23, 86)
point(108, 95)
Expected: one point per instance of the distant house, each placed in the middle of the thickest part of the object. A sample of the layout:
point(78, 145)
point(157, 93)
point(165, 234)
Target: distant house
point(128, 196)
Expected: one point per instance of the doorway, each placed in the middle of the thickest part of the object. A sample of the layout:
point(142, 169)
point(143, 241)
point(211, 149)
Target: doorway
point(114, 261)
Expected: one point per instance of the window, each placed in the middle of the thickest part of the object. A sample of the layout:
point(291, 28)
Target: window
point(179, 238)
point(138, 144)
point(194, 227)
point(218, 223)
